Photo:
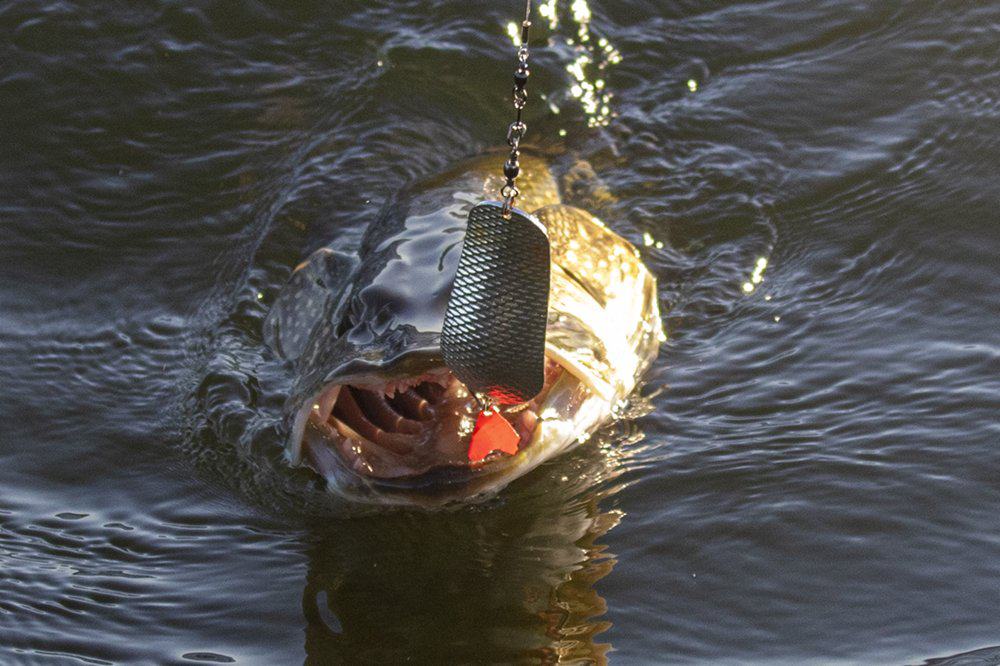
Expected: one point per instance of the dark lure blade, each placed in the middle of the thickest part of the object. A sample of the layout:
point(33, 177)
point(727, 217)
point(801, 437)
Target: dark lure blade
point(494, 328)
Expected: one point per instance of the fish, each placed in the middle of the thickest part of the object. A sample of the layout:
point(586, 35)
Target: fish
point(374, 411)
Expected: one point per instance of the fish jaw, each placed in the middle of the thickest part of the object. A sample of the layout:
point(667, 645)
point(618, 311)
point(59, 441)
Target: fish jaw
point(406, 441)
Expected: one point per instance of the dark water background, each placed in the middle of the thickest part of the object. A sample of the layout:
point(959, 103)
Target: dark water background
point(817, 478)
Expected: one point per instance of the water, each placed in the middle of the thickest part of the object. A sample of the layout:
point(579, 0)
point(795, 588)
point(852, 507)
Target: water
point(814, 478)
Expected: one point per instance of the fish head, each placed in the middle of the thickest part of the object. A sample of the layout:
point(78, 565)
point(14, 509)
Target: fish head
point(375, 411)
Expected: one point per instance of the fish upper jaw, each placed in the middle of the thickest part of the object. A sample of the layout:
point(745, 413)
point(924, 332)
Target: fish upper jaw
point(403, 433)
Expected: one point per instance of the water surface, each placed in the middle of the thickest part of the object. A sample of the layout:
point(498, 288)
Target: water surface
point(810, 474)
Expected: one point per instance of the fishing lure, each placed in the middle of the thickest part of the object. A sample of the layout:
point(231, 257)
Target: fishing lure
point(493, 337)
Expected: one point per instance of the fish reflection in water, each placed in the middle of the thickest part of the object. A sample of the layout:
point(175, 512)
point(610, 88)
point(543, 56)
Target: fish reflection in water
point(503, 583)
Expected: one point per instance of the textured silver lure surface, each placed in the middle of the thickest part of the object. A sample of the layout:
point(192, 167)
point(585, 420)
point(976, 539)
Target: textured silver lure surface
point(494, 328)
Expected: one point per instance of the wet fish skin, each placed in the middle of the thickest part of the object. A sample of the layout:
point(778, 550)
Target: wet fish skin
point(346, 319)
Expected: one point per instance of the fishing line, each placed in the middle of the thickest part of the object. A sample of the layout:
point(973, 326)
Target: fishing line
point(517, 129)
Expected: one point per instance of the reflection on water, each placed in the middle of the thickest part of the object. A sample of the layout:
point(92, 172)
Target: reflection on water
point(507, 582)
point(589, 58)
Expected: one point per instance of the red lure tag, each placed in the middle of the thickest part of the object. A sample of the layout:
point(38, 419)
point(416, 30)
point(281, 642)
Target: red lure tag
point(492, 433)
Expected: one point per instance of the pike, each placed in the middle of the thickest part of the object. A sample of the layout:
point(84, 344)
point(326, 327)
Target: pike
point(374, 410)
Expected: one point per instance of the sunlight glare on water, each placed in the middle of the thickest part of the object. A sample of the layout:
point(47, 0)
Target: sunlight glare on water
point(589, 61)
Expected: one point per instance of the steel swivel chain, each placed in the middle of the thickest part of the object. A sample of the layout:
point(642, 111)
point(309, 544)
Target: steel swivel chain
point(515, 132)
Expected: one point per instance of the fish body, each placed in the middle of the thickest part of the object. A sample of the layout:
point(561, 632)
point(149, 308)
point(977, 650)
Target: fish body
point(374, 410)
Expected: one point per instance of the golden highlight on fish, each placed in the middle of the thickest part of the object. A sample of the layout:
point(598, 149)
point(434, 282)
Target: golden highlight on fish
point(374, 410)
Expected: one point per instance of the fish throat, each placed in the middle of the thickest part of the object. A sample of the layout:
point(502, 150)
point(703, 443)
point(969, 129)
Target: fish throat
point(404, 430)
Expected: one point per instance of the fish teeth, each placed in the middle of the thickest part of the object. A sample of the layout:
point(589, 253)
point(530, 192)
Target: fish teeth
point(323, 406)
point(442, 378)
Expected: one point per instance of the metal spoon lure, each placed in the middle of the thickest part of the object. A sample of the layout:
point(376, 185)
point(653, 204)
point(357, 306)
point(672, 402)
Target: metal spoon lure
point(493, 337)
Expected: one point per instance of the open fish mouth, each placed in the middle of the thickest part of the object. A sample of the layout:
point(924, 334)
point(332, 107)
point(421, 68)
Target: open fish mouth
point(405, 433)
point(374, 412)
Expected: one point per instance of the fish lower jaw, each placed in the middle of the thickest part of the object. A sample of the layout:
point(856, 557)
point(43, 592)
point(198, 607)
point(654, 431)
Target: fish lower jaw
point(408, 432)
